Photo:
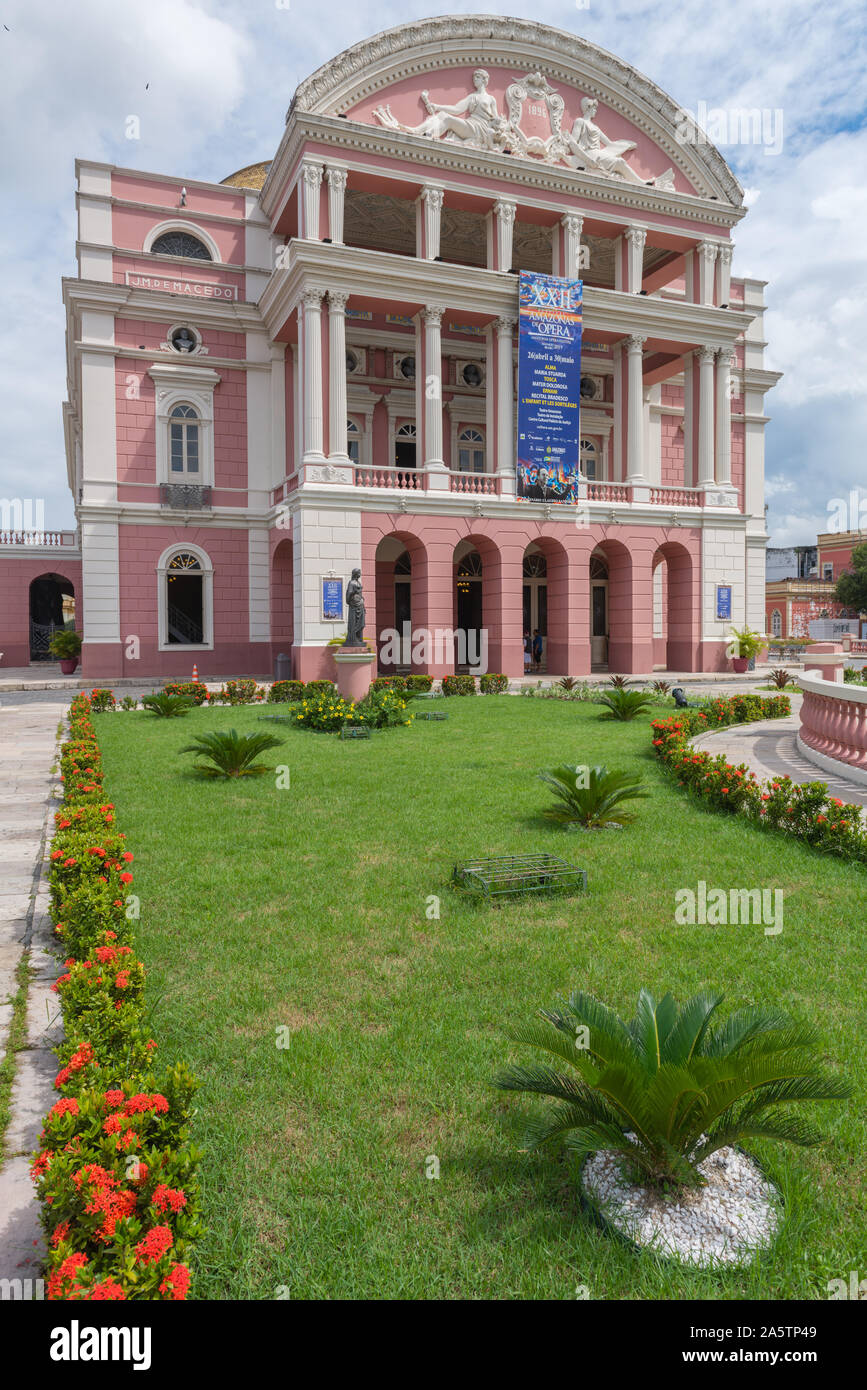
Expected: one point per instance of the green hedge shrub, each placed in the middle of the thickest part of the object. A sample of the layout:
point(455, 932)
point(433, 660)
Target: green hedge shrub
point(459, 685)
point(285, 692)
point(493, 683)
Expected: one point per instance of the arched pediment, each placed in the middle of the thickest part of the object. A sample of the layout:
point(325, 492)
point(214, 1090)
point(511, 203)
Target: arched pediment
point(531, 101)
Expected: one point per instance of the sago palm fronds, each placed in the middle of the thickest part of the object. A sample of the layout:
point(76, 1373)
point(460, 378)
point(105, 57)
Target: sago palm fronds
point(624, 704)
point(229, 754)
point(168, 706)
point(667, 1089)
point(590, 796)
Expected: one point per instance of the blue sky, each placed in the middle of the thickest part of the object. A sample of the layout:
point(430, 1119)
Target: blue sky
point(211, 82)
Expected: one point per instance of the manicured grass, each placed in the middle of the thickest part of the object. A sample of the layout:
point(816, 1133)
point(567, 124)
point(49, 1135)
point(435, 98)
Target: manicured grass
point(305, 909)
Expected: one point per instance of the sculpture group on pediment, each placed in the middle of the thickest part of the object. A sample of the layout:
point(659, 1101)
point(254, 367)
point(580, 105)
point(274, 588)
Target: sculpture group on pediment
point(476, 122)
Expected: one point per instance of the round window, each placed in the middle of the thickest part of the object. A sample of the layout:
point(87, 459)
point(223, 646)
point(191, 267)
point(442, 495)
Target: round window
point(184, 340)
point(471, 375)
point(588, 388)
point(407, 368)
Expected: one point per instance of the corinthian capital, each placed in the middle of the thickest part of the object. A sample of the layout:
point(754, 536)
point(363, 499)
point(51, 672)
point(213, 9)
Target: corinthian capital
point(505, 211)
point(433, 314)
point(336, 177)
point(312, 296)
point(505, 326)
point(707, 250)
point(433, 197)
point(337, 301)
point(312, 174)
point(635, 343)
point(724, 252)
point(706, 355)
point(636, 236)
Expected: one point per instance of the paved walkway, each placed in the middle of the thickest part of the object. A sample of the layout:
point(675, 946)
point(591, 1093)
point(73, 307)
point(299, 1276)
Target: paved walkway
point(28, 743)
point(769, 748)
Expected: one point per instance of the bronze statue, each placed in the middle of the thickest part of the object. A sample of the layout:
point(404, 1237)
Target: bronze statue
point(355, 616)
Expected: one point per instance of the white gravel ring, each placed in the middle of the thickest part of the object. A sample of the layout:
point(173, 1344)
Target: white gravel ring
point(728, 1221)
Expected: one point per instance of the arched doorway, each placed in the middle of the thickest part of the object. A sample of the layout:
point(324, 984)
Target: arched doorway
point(598, 612)
point(535, 607)
point(676, 607)
point(282, 598)
point(52, 605)
point(469, 605)
point(397, 559)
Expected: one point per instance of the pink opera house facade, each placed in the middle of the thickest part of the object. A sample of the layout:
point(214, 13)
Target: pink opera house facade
point(311, 366)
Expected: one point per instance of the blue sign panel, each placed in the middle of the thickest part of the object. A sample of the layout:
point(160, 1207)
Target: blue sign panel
point(332, 599)
point(549, 388)
point(724, 601)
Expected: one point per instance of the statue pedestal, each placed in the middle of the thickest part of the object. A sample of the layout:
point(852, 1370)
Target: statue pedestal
point(354, 672)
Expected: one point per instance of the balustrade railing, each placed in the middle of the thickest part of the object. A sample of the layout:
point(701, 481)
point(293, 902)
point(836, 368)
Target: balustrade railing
point(475, 484)
point(834, 721)
point(410, 479)
point(43, 540)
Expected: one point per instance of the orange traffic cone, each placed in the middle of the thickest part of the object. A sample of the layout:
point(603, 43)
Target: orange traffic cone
point(195, 672)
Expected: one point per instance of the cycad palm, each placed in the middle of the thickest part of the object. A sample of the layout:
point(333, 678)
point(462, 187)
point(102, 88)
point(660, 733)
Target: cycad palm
point(667, 1089)
point(230, 754)
point(590, 796)
point(169, 706)
point(624, 704)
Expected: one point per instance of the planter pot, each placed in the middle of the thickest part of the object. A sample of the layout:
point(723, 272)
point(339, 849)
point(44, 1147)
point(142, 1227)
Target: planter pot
point(740, 663)
point(68, 665)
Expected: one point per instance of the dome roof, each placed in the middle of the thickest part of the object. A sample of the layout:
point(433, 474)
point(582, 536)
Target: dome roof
point(251, 176)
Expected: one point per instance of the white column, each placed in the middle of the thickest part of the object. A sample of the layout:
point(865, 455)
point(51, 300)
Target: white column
point(504, 227)
point(279, 467)
point(309, 184)
point(706, 262)
point(634, 411)
point(723, 272)
point(336, 179)
point(705, 417)
point(505, 328)
point(432, 316)
point(635, 239)
point(337, 376)
point(724, 417)
point(430, 205)
point(311, 372)
point(573, 225)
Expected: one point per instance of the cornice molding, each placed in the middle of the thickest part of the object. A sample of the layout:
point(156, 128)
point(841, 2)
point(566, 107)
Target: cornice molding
point(346, 135)
point(424, 46)
point(380, 274)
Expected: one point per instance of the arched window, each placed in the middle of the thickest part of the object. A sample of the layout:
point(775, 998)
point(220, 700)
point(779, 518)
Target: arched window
point(535, 566)
point(181, 244)
point(184, 442)
point(471, 451)
point(776, 623)
point(353, 440)
point(589, 460)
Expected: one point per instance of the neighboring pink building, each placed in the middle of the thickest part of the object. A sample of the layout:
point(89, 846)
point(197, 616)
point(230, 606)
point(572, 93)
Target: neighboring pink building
point(311, 366)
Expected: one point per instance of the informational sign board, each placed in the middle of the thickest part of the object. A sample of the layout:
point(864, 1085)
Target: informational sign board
point(549, 388)
point(332, 600)
point(724, 601)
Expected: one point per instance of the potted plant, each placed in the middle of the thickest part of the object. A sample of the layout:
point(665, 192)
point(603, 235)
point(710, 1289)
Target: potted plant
point(65, 644)
point(744, 644)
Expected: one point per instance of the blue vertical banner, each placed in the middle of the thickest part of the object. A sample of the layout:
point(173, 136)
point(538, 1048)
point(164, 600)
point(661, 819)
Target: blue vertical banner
point(549, 388)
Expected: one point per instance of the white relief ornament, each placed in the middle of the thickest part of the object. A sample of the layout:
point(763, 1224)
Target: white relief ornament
point(533, 128)
point(474, 120)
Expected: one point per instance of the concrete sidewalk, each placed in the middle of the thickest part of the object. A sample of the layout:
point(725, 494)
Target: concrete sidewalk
point(28, 748)
point(770, 749)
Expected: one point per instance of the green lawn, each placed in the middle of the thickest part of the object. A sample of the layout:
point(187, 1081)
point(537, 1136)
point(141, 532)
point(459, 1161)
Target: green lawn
point(306, 908)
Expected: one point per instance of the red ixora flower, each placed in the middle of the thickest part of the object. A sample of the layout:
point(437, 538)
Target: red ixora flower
point(69, 1105)
point(169, 1198)
point(139, 1104)
point(126, 878)
point(108, 1289)
point(176, 1282)
point(59, 1233)
point(128, 856)
point(155, 1244)
point(68, 1270)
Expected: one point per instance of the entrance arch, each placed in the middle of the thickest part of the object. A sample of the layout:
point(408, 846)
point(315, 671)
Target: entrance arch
point(282, 598)
point(676, 607)
point(51, 605)
point(400, 568)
